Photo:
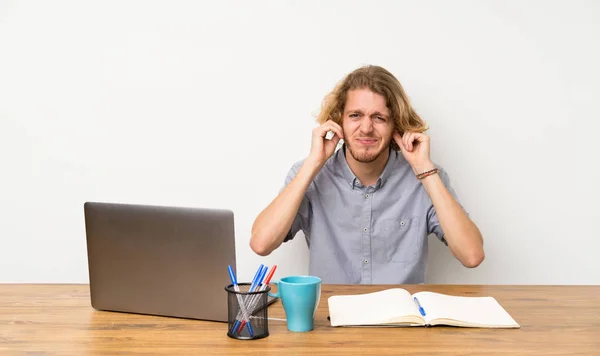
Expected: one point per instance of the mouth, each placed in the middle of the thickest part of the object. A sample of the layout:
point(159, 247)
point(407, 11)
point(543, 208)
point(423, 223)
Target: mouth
point(366, 141)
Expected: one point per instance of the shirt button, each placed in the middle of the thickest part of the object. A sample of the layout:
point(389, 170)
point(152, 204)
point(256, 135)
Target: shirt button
point(365, 229)
point(366, 261)
point(367, 195)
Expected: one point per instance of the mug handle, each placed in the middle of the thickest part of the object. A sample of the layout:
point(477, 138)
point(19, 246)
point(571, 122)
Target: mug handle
point(276, 295)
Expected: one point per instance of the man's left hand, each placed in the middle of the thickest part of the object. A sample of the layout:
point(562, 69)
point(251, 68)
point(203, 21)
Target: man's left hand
point(415, 149)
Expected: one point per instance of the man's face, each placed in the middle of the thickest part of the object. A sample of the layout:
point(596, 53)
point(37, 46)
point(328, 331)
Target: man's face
point(367, 125)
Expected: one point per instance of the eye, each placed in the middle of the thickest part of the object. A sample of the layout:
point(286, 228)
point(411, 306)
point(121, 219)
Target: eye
point(380, 118)
point(354, 115)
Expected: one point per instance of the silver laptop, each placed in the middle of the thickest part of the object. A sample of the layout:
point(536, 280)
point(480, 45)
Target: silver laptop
point(158, 260)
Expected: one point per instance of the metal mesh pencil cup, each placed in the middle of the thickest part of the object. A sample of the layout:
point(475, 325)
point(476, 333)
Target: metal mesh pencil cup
point(247, 312)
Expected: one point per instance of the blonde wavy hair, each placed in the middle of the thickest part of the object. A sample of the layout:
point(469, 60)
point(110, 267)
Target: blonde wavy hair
point(380, 81)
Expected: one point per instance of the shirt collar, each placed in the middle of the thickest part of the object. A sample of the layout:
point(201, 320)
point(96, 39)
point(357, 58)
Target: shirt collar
point(389, 167)
point(342, 167)
point(348, 175)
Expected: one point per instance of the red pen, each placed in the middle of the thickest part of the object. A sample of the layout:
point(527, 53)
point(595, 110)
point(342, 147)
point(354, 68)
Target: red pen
point(255, 299)
point(268, 279)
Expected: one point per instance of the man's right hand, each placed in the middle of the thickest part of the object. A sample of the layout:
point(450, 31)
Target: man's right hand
point(273, 224)
point(321, 148)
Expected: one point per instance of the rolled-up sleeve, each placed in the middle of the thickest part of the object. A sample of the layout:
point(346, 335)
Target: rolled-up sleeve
point(433, 223)
point(302, 219)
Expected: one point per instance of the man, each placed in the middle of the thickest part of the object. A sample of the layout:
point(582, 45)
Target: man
point(367, 208)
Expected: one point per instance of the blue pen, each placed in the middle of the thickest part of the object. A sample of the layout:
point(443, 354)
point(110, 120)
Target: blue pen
point(257, 274)
point(236, 325)
point(259, 280)
point(262, 278)
point(241, 303)
point(421, 310)
point(232, 277)
point(264, 282)
point(256, 283)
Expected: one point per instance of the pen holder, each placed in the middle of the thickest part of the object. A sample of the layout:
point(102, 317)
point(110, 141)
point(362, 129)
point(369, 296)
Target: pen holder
point(248, 312)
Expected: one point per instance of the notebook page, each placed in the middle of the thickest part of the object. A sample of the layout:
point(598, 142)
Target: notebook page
point(372, 308)
point(471, 311)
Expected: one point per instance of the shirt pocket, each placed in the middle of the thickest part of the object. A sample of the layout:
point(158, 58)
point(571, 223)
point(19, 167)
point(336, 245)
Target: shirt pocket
point(402, 241)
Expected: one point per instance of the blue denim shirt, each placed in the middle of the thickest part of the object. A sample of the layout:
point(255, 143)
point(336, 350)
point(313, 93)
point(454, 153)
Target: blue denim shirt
point(360, 234)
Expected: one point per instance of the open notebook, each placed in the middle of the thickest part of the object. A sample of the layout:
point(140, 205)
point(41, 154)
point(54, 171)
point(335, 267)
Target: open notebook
point(397, 307)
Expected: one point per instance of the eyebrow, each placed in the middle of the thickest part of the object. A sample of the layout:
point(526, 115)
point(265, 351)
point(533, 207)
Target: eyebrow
point(380, 114)
point(359, 111)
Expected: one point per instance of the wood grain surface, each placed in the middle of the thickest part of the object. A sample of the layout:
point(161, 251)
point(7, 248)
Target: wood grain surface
point(56, 319)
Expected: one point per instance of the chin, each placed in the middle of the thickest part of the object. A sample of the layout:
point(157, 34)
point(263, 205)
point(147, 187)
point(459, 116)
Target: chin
point(365, 155)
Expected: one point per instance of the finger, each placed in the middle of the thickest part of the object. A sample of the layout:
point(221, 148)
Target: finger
point(337, 128)
point(334, 133)
point(421, 139)
point(339, 133)
point(408, 141)
point(400, 142)
point(336, 140)
point(415, 139)
point(418, 137)
point(330, 146)
point(331, 126)
point(322, 130)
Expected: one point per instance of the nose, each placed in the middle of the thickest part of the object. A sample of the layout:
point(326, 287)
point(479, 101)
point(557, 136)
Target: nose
point(366, 125)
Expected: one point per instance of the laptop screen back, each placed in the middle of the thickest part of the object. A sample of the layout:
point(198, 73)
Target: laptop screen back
point(169, 261)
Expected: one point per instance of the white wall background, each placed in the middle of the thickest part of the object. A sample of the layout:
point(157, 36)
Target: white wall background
point(208, 104)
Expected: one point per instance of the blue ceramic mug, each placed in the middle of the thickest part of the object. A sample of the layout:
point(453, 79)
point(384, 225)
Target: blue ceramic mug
point(300, 297)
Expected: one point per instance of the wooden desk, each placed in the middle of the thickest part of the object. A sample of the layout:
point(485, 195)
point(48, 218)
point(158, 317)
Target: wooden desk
point(58, 319)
